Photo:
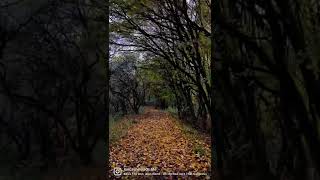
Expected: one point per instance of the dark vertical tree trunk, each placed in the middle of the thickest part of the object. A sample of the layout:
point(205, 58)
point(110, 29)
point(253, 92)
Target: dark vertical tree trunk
point(255, 132)
point(216, 135)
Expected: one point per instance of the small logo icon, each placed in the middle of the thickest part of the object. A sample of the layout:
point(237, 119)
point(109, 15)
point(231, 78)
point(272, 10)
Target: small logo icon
point(117, 171)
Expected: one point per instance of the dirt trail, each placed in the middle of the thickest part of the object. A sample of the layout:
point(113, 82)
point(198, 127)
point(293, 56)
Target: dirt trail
point(157, 141)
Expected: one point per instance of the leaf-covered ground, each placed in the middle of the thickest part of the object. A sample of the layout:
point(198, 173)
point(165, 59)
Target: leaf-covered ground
point(157, 140)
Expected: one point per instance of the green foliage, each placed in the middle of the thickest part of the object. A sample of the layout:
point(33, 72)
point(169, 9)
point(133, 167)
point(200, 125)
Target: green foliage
point(172, 110)
point(157, 85)
point(188, 130)
point(198, 149)
point(119, 128)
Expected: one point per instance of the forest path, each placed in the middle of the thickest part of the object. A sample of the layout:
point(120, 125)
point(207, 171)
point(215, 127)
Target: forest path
point(157, 140)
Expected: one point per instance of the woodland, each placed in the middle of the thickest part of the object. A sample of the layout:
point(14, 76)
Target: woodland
point(247, 70)
point(243, 72)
